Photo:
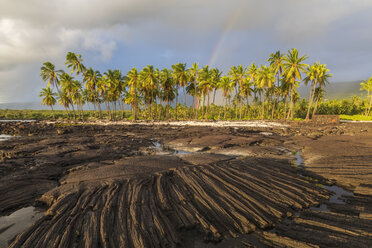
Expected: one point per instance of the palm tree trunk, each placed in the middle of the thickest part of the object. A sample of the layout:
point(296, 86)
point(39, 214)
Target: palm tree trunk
point(148, 110)
point(269, 102)
point(176, 102)
point(113, 111)
point(224, 111)
point(99, 107)
point(316, 106)
point(167, 110)
point(290, 108)
point(247, 107)
point(197, 99)
point(53, 112)
point(133, 111)
point(207, 108)
point(236, 102)
point(122, 109)
point(158, 109)
point(240, 107)
point(197, 103)
point(290, 113)
point(370, 105)
point(285, 106)
point(184, 95)
point(68, 114)
point(273, 108)
point(108, 109)
point(311, 99)
point(152, 99)
point(203, 107)
point(263, 107)
point(214, 95)
point(73, 111)
point(184, 100)
point(80, 106)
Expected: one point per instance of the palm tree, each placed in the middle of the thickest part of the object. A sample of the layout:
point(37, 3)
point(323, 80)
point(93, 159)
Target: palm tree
point(193, 73)
point(91, 78)
point(226, 85)
point(168, 92)
point(133, 83)
point(205, 85)
point(247, 92)
point(116, 86)
point(276, 62)
point(216, 78)
point(74, 61)
point(252, 75)
point(265, 79)
point(181, 77)
point(67, 84)
point(367, 86)
point(148, 80)
point(63, 100)
point(76, 96)
point(238, 74)
point(49, 98)
point(315, 74)
point(50, 74)
point(323, 79)
point(103, 89)
point(318, 94)
point(293, 65)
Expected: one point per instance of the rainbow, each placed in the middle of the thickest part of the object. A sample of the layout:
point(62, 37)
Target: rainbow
point(222, 37)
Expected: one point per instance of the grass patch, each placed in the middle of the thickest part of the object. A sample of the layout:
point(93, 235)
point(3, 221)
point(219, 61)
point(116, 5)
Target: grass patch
point(355, 118)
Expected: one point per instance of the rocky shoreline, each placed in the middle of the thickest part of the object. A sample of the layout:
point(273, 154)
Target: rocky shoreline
point(110, 186)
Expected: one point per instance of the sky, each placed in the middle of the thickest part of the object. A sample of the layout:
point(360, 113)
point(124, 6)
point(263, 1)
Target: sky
point(121, 34)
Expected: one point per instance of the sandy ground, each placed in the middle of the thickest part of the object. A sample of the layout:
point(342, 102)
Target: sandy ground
point(256, 123)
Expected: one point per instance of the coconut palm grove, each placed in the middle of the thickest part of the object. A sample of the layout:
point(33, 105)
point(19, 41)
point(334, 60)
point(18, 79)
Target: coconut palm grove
point(254, 92)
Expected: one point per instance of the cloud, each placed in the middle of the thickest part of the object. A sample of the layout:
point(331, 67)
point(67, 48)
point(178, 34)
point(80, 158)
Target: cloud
point(35, 31)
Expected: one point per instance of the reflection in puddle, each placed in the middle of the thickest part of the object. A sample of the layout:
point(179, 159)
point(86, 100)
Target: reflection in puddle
point(338, 192)
point(321, 207)
point(161, 149)
point(17, 222)
point(298, 161)
point(4, 137)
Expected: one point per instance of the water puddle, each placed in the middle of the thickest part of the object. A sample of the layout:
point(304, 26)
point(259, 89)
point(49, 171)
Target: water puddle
point(266, 133)
point(322, 207)
point(162, 149)
point(4, 137)
point(338, 192)
point(298, 161)
point(17, 222)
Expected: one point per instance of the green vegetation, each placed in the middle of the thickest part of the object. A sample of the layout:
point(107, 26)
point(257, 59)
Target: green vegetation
point(367, 86)
point(356, 117)
point(256, 92)
point(265, 92)
point(353, 109)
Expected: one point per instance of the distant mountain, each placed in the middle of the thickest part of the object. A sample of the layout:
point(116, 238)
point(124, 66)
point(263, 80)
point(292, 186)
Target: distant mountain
point(340, 90)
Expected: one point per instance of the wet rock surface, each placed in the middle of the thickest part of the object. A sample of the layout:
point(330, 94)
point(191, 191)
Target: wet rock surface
point(112, 186)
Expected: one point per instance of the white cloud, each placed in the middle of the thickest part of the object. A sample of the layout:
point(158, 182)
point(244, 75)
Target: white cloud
point(34, 31)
